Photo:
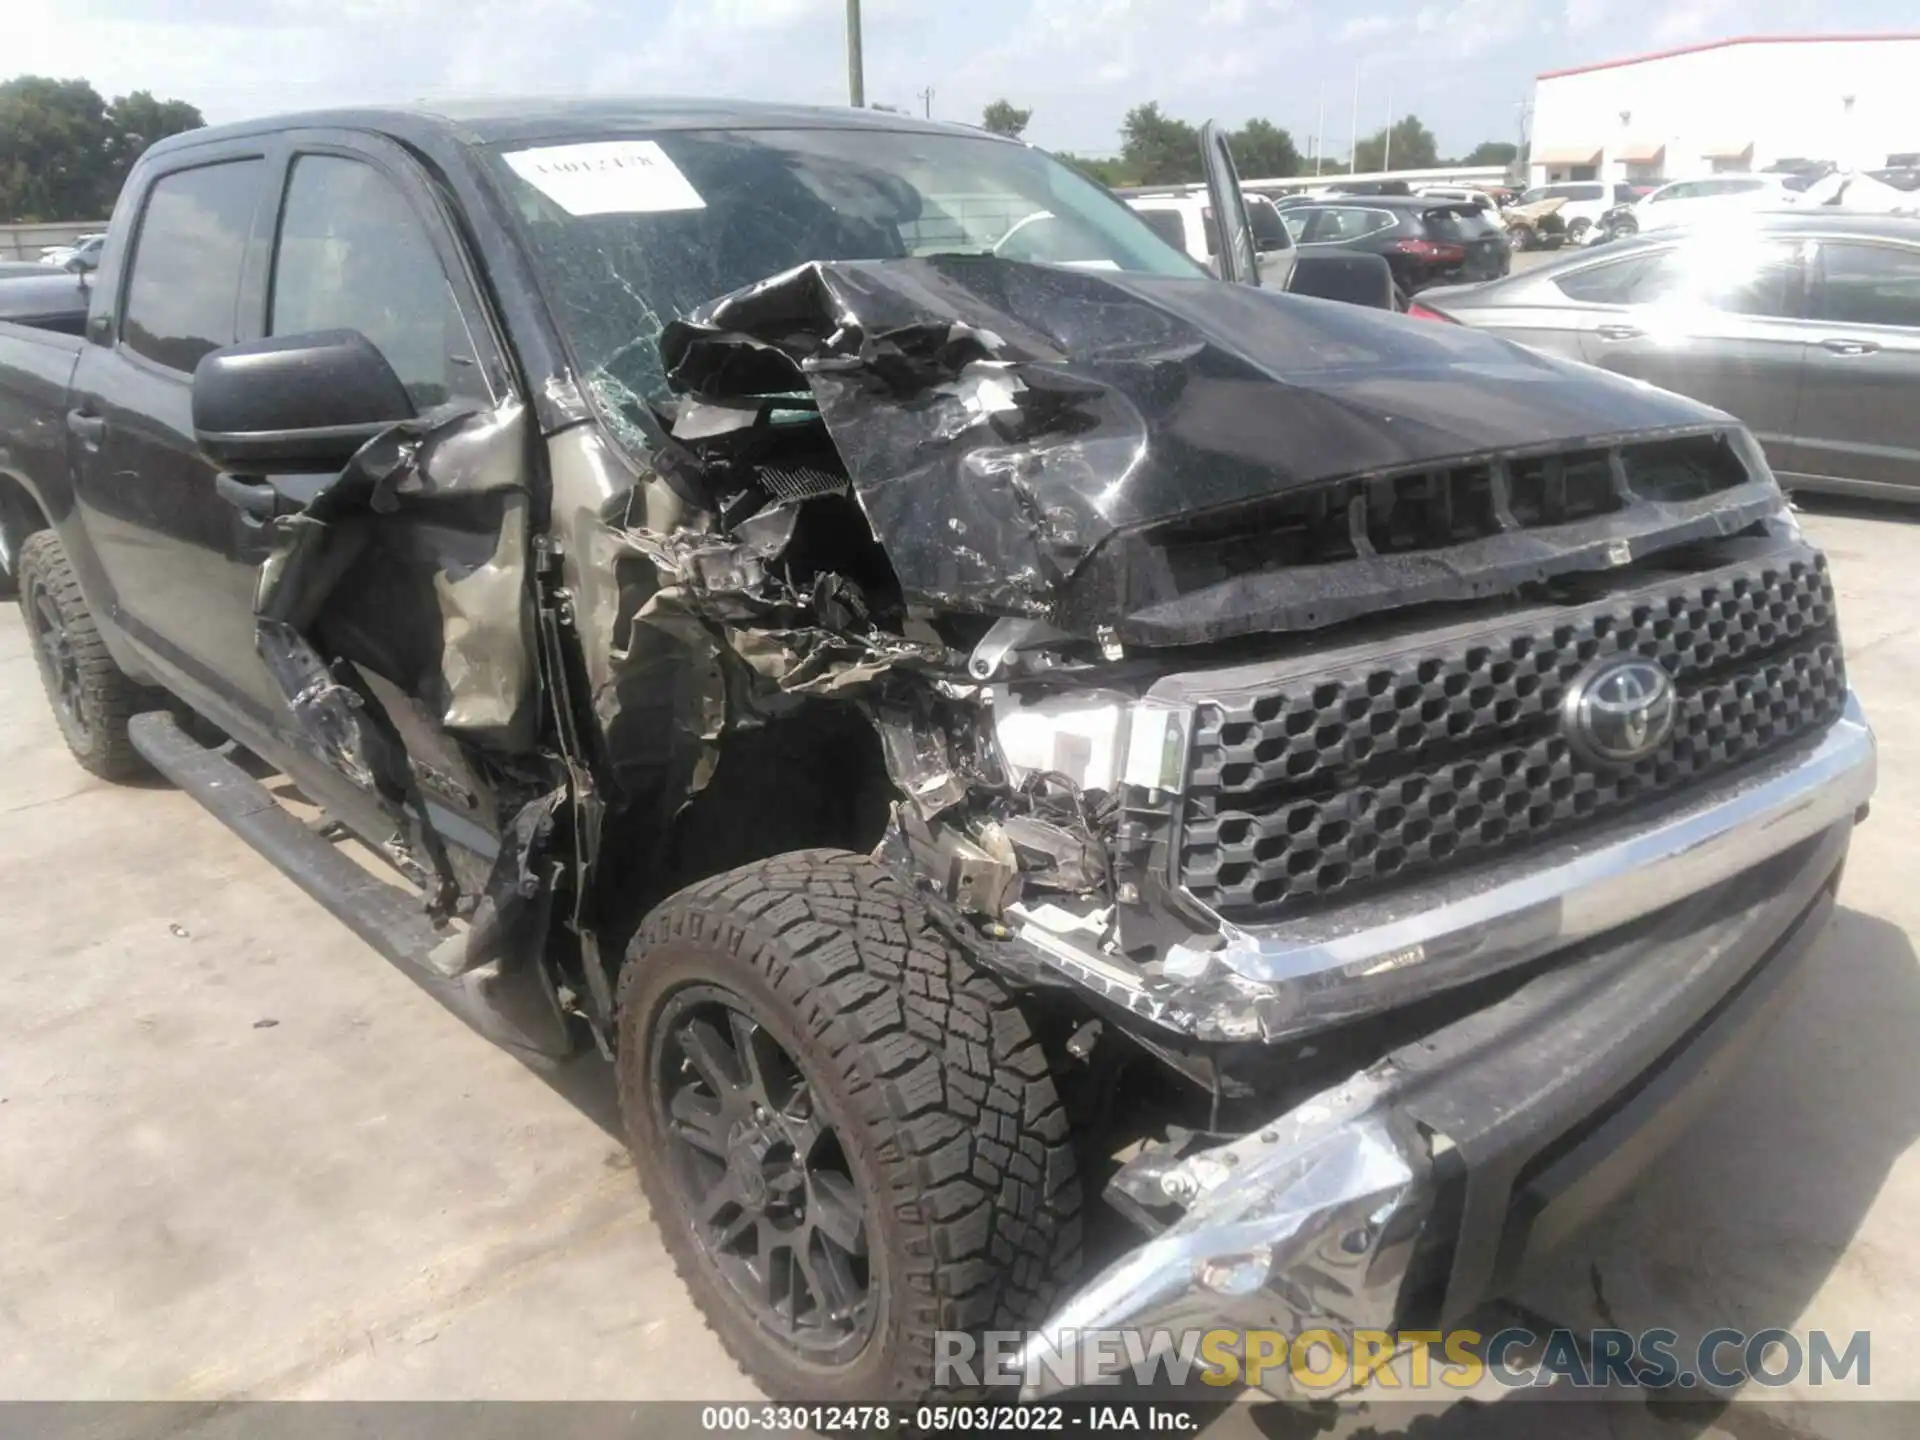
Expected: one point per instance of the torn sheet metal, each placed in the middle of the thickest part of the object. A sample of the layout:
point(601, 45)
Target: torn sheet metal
point(511, 917)
point(1001, 423)
point(1309, 1221)
point(330, 712)
point(417, 550)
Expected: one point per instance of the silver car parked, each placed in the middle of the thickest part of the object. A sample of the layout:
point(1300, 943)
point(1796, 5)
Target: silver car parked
point(1806, 326)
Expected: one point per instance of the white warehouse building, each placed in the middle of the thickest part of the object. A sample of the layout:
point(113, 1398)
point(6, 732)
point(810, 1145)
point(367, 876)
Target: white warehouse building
point(1731, 105)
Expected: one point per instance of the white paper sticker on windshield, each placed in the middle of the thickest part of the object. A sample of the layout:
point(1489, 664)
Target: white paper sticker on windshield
point(606, 177)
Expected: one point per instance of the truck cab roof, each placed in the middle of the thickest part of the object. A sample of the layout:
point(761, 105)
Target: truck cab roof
point(499, 120)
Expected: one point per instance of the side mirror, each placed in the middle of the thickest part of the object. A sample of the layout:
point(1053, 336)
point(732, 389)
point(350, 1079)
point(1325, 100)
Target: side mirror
point(78, 264)
point(294, 402)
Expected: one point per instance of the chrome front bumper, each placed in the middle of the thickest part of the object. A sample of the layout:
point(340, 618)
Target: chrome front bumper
point(1269, 982)
point(1314, 1218)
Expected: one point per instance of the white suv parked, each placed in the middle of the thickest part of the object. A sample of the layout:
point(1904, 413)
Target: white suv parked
point(1184, 219)
point(1685, 202)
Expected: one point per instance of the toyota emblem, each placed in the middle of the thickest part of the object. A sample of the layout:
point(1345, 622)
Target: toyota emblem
point(1620, 711)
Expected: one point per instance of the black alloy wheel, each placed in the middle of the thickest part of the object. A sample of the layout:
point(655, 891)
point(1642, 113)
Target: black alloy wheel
point(763, 1174)
point(59, 660)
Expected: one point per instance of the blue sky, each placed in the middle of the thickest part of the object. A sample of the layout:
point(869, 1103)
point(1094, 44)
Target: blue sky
point(1462, 65)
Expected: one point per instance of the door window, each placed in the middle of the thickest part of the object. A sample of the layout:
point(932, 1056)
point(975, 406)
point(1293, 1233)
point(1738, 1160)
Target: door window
point(1868, 284)
point(1166, 224)
point(1336, 223)
point(1761, 278)
point(353, 254)
point(1609, 284)
point(1268, 233)
point(183, 291)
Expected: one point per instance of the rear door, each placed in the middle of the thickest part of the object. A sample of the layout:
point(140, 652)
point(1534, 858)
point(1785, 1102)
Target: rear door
point(1860, 405)
point(1554, 312)
point(1719, 321)
point(191, 280)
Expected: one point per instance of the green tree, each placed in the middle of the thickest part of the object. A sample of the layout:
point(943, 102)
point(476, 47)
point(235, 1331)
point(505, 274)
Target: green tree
point(64, 151)
point(1263, 151)
point(53, 148)
point(1157, 149)
point(1003, 117)
point(1492, 152)
point(1413, 148)
point(1111, 173)
point(135, 121)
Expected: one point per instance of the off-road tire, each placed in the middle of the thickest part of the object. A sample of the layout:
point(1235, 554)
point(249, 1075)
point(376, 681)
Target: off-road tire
point(104, 697)
point(940, 1094)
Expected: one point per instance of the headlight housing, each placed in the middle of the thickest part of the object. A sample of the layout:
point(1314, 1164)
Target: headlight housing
point(1098, 739)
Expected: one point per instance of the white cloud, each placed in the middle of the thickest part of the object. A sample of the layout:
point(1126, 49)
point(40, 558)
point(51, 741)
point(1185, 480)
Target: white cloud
point(1579, 15)
point(1690, 21)
point(1465, 28)
point(1365, 27)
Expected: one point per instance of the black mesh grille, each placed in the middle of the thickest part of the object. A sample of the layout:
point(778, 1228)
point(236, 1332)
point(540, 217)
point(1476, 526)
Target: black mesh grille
point(1353, 778)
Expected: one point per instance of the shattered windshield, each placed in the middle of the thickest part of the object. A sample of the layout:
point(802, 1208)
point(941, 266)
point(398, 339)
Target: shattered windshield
point(630, 232)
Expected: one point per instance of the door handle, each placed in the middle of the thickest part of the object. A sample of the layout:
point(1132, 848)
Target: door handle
point(87, 428)
point(1619, 332)
point(250, 497)
point(1849, 347)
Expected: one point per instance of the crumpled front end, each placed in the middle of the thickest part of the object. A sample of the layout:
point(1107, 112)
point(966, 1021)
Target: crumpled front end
point(1429, 1181)
point(1064, 484)
point(1224, 655)
point(1309, 1221)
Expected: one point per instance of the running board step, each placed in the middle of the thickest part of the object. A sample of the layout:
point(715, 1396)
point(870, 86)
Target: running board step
point(511, 1007)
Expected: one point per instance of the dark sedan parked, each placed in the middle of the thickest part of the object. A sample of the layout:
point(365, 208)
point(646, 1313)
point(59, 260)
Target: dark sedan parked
point(1804, 325)
point(1424, 241)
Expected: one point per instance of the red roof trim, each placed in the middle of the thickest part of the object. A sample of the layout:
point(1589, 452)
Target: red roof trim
point(1732, 40)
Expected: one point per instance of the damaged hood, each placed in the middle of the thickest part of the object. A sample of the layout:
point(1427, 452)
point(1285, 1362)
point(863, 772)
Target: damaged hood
point(1000, 422)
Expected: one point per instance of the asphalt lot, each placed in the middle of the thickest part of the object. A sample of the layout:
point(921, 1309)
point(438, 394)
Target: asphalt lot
point(244, 1158)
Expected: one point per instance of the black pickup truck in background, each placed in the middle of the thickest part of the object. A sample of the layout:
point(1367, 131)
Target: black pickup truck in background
point(961, 733)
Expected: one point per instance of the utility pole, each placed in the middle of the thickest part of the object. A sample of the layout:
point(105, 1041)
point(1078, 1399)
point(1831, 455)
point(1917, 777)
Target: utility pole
point(926, 102)
point(1353, 126)
point(1386, 155)
point(856, 70)
point(1320, 130)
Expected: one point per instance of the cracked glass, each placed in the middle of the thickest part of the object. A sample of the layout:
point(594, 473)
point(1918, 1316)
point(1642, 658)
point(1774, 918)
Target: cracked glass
point(774, 199)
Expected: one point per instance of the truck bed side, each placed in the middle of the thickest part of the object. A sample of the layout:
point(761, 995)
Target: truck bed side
point(36, 480)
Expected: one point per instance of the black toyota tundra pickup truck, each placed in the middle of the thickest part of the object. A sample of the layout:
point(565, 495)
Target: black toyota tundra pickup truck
point(971, 734)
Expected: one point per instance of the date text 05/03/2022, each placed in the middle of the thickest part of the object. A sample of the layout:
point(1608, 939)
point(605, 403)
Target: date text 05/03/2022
point(1146, 1417)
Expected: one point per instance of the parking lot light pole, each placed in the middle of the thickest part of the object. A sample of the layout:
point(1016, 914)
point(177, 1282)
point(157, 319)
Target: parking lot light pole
point(856, 77)
point(1386, 156)
point(1353, 124)
point(1320, 130)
